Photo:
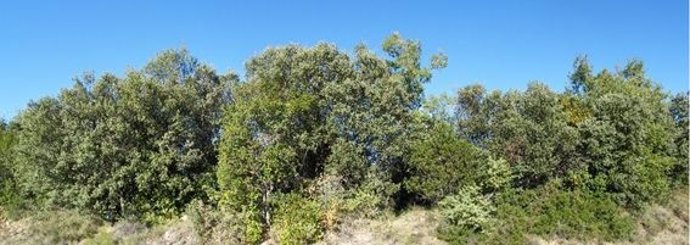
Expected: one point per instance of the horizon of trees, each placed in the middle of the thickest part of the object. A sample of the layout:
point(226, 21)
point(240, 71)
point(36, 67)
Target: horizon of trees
point(312, 135)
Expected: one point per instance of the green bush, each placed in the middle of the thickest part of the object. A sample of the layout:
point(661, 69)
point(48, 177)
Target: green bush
point(369, 200)
point(11, 202)
point(142, 145)
point(465, 213)
point(495, 175)
point(297, 220)
point(567, 214)
point(551, 212)
point(439, 162)
point(626, 142)
point(679, 113)
point(307, 111)
point(625, 152)
point(528, 129)
point(103, 237)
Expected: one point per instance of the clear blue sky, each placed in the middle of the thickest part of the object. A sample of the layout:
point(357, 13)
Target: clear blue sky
point(502, 44)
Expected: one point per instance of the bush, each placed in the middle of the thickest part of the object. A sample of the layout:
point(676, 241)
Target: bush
point(495, 175)
point(551, 212)
point(298, 220)
point(138, 146)
point(103, 237)
point(567, 214)
point(440, 162)
point(626, 143)
point(679, 113)
point(625, 151)
point(465, 213)
point(55, 227)
point(368, 200)
point(528, 129)
point(303, 112)
point(214, 226)
point(11, 203)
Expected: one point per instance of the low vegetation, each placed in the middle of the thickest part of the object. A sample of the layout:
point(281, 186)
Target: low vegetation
point(314, 143)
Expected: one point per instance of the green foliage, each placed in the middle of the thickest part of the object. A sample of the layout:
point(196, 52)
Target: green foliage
point(528, 129)
point(306, 112)
point(11, 202)
point(141, 145)
point(273, 135)
point(495, 176)
point(313, 134)
point(298, 220)
point(679, 113)
point(372, 197)
point(550, 212)
point(467, 211)
point(215, 226)
point(439, 162)
point(609, 133)
point(608, 137)
point(577, 215)
point(625, 145)
point(440, 107)
point(7, 140)
point(101, 238)
point(368, 200)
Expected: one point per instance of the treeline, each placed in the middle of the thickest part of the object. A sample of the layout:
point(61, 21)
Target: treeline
point(312, 135)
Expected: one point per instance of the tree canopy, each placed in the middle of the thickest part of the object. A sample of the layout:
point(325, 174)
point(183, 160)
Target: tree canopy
point(142, 145)
point(311, 135)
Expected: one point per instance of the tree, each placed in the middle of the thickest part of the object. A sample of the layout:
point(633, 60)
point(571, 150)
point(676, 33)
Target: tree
point(303, 112)
point(679, 113)
point(274, 135)
point(528, 129)
point(142, 145)
point(439, 162)
point(625, 143)
point(8, 191)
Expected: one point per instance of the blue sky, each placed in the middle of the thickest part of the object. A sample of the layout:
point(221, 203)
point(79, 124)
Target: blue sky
point(501, 44)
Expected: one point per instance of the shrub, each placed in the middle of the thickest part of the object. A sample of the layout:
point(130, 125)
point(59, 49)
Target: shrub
point(142, 145)
point(528, 129)
point(103, 237)
point(11, 202)
point(679, 113)
point(626, 144)
point(440, 162)
point(303, 112)
point(297, 220)
point(55, 227)
point(551, 212)
point(625, 151)
point(495, 175)
point(465, 213)
point(369, 200)
point(214, 226)
point(573, 214)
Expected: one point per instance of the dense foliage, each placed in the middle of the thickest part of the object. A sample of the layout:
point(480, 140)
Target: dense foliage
point(306, 112)
point(142, 145)
point(312, 135)
point(9, 198)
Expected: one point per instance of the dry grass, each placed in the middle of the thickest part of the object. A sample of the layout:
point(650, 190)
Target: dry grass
point(660, 224)
point(665, 224)
point(416, 226)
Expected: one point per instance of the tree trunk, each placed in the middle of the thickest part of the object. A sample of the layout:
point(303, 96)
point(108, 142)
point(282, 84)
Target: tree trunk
point(266, 206)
